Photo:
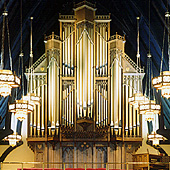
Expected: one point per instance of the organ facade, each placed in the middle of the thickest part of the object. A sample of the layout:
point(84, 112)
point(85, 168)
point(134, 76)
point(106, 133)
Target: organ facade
point(84, 80)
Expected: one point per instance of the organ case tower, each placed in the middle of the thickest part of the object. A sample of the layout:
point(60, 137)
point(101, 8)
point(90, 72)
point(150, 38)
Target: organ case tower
point(84, 80)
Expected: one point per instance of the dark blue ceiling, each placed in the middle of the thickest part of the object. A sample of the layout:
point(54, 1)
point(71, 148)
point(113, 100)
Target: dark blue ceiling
point(123, 15)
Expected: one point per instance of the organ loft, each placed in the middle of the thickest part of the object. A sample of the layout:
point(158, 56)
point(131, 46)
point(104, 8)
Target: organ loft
point(84, 79)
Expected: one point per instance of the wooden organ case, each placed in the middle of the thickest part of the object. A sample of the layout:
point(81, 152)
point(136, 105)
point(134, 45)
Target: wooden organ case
point(84, 80)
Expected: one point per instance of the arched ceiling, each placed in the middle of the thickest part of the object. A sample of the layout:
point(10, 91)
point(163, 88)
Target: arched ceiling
point(123, 15)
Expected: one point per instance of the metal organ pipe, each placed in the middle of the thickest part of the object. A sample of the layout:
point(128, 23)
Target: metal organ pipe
point(57, 97)
point(68, 46)
point(69, 98)
point(66, 51)
point(116, 87)
point(78, 74)
point(101, 53)
point(97, 105)
point(72, 113)
point(112, 94)
point(67, 106)
point(84, 64)
point(39, 111)
point(53, 91)
point(104, 52)
point(35, 107)
point(89, 77)
point(97, 62)
point(130, 109)
point(127, 105)
point(72, 46)
point(106, 104)
point(134, 110)
point(81, 77)
point(49, 96)
point(63, 54)
point(42, 106)
point(120, 91)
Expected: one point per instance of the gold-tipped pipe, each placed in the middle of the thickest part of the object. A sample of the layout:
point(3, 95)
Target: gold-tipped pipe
point(127, 106)
point(99, 105)
point(39, 111)
point(63, 52)
point(42, 107)
point(134, 110)
point(130, 109)
point(67, 107)
point(78, 76)
point(120, 92)
point(72, 111)
point(69, 54)
point(92, 74)
point(35, 108)
point(116, 87)
point(106, 54)
point(70, 105)
point(101, 51)
point(72, 47)
point(85, 76)
point(97, 61)
point(66, 52)
point(104, 49)
point(81, 77)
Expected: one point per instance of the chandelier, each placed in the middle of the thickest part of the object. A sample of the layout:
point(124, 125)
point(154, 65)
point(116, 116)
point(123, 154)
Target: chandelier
point(155, 138)
point(8, 80)
point(13, 139)
point(21, 108)
point(162, 82)
point(32, 99)
point(149, 107)
point(138, 97)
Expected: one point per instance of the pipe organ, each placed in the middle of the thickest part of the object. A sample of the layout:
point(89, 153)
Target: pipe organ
point(84, 80)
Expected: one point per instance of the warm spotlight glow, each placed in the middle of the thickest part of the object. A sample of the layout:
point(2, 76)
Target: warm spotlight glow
point(13, 139)
point(7, 82)
point(162, 83)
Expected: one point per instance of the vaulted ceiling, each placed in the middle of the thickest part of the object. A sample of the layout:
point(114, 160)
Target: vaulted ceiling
point(123, 15)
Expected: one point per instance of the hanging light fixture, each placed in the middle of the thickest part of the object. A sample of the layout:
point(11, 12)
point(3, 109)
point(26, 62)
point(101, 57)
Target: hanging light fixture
point(149, 107)
point(31, 97)
point(162, 82)
point(21, 107)
point(8, 80)
point(13, 139)
point(155, 138)
point(137, 97)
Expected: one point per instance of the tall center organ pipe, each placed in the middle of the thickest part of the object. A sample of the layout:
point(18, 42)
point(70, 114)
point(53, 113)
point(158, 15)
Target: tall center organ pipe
point(116, 87)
